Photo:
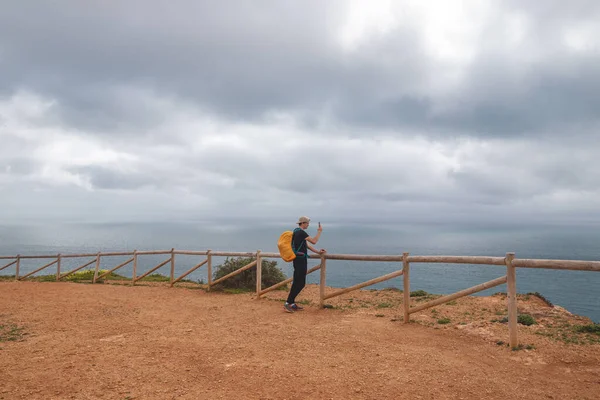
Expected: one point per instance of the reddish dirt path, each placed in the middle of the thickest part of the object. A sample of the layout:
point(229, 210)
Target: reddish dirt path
point(120, 342)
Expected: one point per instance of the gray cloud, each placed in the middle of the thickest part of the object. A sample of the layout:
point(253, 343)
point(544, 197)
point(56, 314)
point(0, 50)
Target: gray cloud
point(104, 178)
point(245, 62)
point(151, 110)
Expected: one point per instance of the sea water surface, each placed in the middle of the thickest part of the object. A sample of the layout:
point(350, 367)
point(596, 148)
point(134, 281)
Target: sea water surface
point(577, 291)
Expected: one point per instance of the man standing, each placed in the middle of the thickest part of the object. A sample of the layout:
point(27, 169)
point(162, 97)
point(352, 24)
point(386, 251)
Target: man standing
point(300, 244)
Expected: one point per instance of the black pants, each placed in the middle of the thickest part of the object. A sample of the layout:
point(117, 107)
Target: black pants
point(300, 268)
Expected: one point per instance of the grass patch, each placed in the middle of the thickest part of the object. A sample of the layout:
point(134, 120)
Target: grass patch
point(590, 328)
point(541, 297)
point(11, 333)
point(88, 275)
point(156, 278)
point(451, 303)
point(79, 276)
point(523, 347)
point(379, 315)
point(85, 275)
point(41, 278)
point(523, 319)
point(418, 293)
point(443, 321)
point(384, 305)
point(573, 334)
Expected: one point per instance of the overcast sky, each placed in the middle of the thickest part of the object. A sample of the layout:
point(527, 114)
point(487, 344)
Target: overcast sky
point(392, 111)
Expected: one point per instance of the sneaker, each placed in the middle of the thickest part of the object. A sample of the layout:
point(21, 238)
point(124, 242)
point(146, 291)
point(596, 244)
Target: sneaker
point(296, 307)
point(288, 308)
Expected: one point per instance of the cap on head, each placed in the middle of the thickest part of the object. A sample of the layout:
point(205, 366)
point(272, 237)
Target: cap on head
point(302, 220)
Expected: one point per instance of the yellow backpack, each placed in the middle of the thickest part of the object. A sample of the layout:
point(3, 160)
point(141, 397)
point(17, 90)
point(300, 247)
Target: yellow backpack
point(286, 251)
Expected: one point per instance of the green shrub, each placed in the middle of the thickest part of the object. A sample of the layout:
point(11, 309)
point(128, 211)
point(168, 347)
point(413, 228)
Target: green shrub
point(525, 319)
point(443, 321)
point(271, 274)
point(418, 293)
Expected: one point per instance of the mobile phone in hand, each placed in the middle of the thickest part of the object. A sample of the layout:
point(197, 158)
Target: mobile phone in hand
point(319, 224)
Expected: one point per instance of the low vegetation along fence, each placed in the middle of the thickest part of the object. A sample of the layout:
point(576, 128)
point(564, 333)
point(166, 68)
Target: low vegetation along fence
point(509, 262)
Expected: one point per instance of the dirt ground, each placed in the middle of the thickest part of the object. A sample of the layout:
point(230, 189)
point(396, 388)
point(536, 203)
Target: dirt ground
point(111, 341)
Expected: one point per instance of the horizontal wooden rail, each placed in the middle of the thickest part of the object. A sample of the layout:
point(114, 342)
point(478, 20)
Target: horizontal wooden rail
point(41, 256)
point(189, 271)
point(128, 253)
point(233, 254)
point(115, 268)
point(82, 255)
point(269, 255)
point(462, 293)
point(237, 271)
point(152, 270)
point(358, 257)
point(457, 260)
point(283, 283)
point(191, 253)
point(117, 253)
point(8, 265)
point(76, 269)
point(39, 269)
point(557, 264)
point(152, 252)
point(362, 285)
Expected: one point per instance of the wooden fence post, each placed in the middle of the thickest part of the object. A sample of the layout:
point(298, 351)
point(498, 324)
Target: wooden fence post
point(58, 260)
point(18, 265)
point(406, 282)
point(511, 286)
point(209, 268)
point(172, 266)
point(322, 281)
point(135, 257)
point(97, 267)
point(258, 274)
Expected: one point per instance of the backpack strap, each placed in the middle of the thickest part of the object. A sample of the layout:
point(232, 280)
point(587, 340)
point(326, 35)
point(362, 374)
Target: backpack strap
point(293, 248)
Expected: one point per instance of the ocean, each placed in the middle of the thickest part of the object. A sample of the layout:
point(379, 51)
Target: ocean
point(577, 291)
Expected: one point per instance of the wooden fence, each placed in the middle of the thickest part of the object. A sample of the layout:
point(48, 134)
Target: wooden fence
point(509, 262)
